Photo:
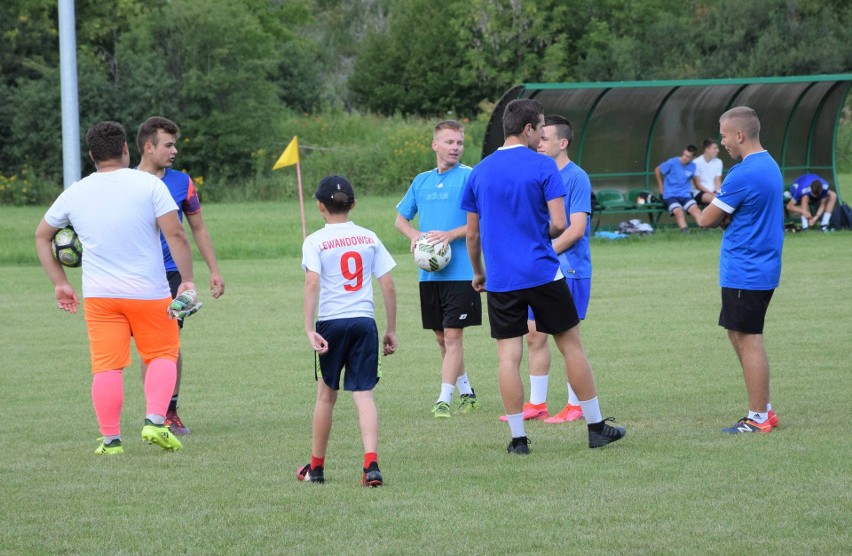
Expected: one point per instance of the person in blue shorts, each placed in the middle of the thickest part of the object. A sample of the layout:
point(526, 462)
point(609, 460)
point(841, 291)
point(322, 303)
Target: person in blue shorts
point(514, 201)
point(676, 177)
point(808, 189)
point(340, 261)
point(749, 208)
point(156, 140)
point(575, 259)
point(448, 303)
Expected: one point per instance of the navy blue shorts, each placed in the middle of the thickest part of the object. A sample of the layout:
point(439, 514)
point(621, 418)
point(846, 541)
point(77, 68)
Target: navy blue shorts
point(682, 203)
point(744, 310)
point(551, 303)
point(353, 344)
point(449, 304)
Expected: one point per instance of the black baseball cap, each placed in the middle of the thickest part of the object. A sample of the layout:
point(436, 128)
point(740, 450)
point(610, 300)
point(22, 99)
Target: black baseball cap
point(335, 191)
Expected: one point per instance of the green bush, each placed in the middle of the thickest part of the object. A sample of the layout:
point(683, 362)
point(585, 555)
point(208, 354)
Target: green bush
point(380, 156)
point(25, 188)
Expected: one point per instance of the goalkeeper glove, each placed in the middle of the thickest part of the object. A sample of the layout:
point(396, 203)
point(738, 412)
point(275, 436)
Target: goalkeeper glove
point(184, 305)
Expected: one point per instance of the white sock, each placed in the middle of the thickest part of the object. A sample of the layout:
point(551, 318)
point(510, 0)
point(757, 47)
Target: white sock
point(768, 407)
point(591, 411)
point(826, 216)
point(538, 389)
point(446, 393)
point(758, 417)
point(516, 425)
point(109, 438)
point(804, 221)
point(156, 419)
point(572, 397)
point(463, 384)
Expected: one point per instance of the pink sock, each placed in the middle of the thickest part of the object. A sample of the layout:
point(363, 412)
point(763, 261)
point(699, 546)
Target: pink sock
point(159, 385)
point(108, 397)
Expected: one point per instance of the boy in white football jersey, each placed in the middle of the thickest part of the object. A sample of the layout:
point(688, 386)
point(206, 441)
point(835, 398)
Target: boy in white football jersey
point(339, 262)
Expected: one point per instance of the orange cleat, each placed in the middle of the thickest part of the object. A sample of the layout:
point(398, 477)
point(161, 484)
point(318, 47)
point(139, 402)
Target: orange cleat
point(532, 411)
point(570, 413)
point(773, 418)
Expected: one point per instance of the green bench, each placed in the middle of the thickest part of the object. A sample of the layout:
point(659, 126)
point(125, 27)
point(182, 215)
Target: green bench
point(613, 202)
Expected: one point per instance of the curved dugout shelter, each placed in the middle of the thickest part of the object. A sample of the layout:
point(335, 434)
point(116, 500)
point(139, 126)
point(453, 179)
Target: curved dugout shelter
point(623, 130)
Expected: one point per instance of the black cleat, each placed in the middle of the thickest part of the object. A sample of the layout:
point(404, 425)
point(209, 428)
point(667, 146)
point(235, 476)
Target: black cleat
point(601, 434)
point(519, 445)
point(309, 474)
point(372, 477)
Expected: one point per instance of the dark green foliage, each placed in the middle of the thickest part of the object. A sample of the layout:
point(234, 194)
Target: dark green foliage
point(236, 74)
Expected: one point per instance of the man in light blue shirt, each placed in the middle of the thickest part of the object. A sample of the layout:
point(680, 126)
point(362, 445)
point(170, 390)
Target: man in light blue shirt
point(448, 302)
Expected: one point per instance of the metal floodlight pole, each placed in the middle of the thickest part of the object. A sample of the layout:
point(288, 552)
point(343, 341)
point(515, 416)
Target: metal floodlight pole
point(70, 102)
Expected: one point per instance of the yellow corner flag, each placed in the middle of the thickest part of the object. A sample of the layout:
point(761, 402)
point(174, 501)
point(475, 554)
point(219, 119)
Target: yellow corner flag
point(290, 155)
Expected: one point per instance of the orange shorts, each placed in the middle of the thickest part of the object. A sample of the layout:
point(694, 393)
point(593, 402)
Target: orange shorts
point(111, 323)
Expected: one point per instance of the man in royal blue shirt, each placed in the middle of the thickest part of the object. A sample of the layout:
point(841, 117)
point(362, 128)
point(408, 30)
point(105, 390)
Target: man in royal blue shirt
point(749, 207)
point(808, 189)
point(514, 201)
point(575, 259)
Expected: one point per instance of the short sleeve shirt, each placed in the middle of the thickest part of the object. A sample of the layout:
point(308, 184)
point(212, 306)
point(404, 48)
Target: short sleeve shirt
point(509, 190)
point(802, 187)
point(434, 199)
point(752, 194)
point(576, 261)
point(346, 256)
point(185, 195)
point(677, 178)
point(707, 172)
point(115, 215)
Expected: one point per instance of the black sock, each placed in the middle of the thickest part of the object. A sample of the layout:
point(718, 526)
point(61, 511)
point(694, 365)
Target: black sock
point(173, 403)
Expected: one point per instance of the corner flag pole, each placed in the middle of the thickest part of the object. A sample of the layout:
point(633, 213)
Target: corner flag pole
point(301, 199)
point(289, 157)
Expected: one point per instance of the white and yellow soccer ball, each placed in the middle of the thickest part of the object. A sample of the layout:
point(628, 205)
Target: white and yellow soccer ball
point(432, 258)
point(67, 248)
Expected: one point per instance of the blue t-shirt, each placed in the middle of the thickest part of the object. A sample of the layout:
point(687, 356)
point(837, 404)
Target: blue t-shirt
point(435, 198)
point(509, 190)
point(802, 187)
point(752, 194)
point(677, 178)
point(186, 197)
point(576, 261)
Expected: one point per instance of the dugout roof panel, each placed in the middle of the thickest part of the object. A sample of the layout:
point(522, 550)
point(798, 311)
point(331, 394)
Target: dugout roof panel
point(623, 130)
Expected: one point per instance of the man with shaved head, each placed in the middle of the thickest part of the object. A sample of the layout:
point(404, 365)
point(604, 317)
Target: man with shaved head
point(750, 209)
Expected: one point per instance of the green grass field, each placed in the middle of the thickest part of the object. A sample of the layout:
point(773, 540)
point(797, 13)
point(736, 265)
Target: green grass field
point(664, 369)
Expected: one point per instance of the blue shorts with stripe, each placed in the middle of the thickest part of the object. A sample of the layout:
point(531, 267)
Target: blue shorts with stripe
point(353, 344)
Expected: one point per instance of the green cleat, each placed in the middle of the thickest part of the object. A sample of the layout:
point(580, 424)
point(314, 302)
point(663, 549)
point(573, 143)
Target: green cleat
point(467, 404)
point(161, 436)
point(441, 410)
point(111, 449)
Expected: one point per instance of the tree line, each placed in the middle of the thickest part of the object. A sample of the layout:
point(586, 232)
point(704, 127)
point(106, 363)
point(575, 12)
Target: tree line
point(234, 73)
